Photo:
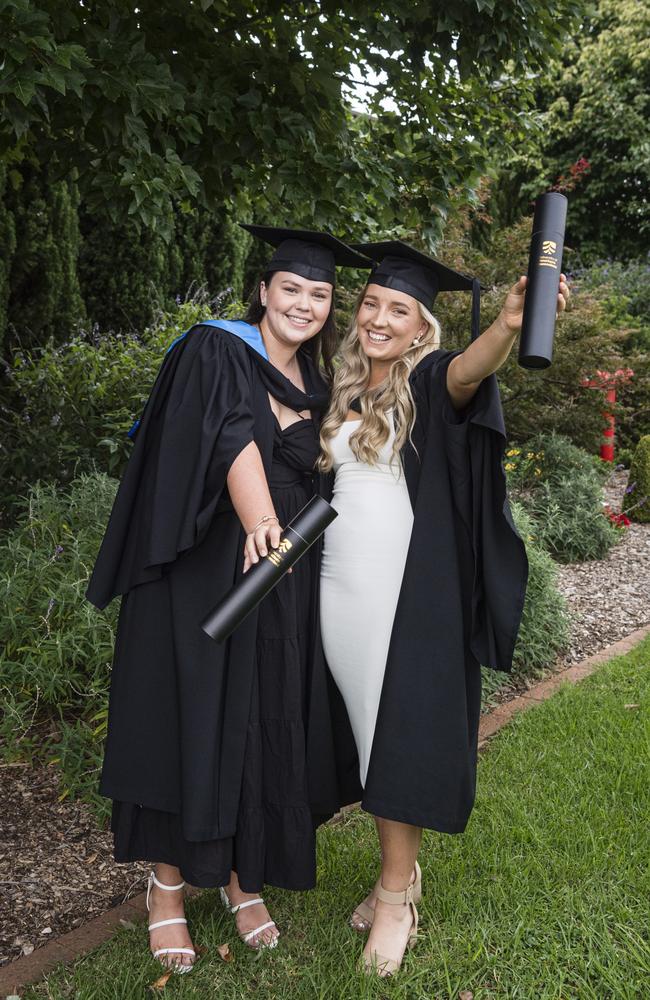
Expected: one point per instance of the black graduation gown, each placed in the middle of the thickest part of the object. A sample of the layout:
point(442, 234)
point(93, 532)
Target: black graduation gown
point(460, 606)
point(180, 703)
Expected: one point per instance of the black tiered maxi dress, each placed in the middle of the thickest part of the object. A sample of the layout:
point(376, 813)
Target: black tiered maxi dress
point(219, 756)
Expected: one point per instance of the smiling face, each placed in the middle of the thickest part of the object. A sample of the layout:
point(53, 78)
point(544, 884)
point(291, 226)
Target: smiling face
point(296, 308)
point(388, 322)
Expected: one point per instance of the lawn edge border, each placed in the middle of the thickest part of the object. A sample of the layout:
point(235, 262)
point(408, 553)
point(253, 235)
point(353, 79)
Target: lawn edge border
point(494, 720)
point(76, 943)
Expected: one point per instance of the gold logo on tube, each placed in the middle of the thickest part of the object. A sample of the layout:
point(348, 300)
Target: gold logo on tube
point(277, 555)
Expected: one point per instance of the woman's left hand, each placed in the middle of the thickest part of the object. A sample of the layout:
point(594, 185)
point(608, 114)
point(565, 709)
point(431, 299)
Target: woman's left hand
point(513, 308)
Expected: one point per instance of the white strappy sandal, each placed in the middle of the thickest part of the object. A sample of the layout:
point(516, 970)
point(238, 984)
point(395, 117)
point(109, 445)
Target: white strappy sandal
point(258, 930)
point(176, 966)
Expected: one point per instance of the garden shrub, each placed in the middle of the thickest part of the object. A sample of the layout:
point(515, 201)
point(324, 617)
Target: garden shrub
point(636, 502)
point(624, 457)
point(561, 488)
point(44, 295)
point(63, 260)
point(128, 273)
point(8, 244)
point(570, 521)
point(585, 341)
point(56, 648)
point(549, 456)
point(632, 409)
point(545, 624)
point(624, 289)
point(603, 328)
point(69, 406)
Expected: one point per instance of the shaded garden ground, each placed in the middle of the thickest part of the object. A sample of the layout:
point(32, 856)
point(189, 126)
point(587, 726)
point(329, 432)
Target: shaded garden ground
point(544, 896)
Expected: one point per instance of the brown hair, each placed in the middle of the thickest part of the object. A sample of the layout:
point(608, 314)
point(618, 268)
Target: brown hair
point(321, 347)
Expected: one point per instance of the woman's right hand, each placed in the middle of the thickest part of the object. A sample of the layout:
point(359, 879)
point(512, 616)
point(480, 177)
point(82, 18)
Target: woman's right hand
point(258, 542)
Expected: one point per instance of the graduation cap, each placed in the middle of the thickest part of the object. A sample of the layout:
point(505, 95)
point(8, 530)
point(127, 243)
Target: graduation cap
point(408, 270)
point(309, 254)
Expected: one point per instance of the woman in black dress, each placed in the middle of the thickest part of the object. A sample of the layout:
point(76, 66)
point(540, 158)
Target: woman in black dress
point(220, 758)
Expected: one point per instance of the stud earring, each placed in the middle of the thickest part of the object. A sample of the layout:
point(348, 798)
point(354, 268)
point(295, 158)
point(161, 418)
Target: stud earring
point(416, 341)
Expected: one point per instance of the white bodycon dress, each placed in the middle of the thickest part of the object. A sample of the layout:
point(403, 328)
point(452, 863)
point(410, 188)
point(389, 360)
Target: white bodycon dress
point(364, 555)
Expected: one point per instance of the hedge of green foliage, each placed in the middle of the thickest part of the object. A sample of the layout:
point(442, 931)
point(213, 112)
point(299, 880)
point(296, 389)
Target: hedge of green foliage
point(545, 625)
point(601, 330)
point(8, 243)
point(68, 406)
point(60, 265)
point(40, 260)
point(64, 265)
point(624, 290)
point(636, 503)
point(561, 487)
point(57, 649)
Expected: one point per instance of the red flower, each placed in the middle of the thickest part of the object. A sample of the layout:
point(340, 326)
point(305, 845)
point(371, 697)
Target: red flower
point(619, 520)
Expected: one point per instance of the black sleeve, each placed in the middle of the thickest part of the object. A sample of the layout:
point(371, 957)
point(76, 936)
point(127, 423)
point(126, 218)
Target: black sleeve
point(475, 441)
point(198, 418)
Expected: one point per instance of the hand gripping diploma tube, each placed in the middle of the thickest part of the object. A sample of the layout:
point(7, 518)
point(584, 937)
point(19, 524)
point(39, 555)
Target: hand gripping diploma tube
point(301, 533)
point(544, 266)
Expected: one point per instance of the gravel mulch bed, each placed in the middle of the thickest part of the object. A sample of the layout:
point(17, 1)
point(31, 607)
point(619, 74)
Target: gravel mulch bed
point(56, 867)
point(609, 598)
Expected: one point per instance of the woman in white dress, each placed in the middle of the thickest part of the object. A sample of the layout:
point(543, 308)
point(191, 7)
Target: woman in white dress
point(410, 603)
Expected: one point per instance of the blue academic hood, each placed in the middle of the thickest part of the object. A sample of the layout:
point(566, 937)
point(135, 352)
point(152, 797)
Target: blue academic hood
point(245, 331)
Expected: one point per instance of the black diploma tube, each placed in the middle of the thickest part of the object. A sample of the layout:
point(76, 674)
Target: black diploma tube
point(544, 266)
point(301, 533)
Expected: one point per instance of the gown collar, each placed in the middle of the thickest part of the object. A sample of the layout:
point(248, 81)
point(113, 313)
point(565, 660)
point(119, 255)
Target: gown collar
point(315, 396)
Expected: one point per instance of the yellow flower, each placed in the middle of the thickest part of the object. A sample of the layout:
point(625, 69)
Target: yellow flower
point(510, 466)
point(539, 454)
point(511, 452)
point(538, 472)
point(530, 454)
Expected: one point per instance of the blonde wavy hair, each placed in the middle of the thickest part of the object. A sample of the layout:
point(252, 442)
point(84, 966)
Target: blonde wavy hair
point(351, 381)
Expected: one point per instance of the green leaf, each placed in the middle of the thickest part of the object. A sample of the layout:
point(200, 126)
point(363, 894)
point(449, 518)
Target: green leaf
point(24, 90)
point(55, 77)
point(252, 99)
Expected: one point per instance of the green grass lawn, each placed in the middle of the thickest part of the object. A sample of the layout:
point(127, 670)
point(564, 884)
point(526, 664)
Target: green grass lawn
point(545, 897)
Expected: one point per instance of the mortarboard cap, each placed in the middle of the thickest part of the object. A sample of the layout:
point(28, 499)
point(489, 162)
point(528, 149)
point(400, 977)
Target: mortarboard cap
point(408, 270)
point(311, 255)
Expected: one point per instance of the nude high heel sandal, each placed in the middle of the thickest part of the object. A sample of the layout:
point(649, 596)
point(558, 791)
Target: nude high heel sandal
point(176, 966)
point(362, 918)
point(251, 934)
point(380, 964)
